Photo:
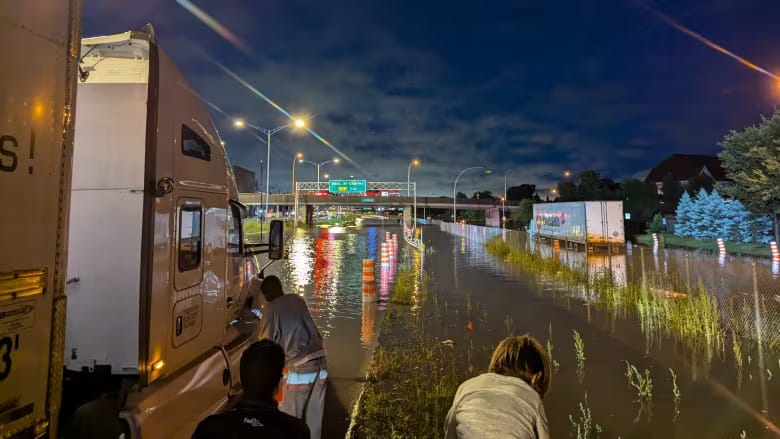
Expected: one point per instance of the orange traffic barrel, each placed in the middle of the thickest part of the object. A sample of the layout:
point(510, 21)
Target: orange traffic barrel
point(369, 283)
point(385, 254)
point(774, 250)
point(721, 246)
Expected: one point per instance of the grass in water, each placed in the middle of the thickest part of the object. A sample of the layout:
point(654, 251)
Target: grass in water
point(555, 364)
point(404, 287)
point(643, 384)
point(579, 347)
point(693, 318)
point(410, 384)
point(676, 394)
point(583, 427)
point(737, 357)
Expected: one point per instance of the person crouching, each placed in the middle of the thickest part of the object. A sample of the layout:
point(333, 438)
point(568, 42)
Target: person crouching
point(507, 400)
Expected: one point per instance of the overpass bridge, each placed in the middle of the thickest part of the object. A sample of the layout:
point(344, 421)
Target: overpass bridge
point(362, 194)
point(369, 201)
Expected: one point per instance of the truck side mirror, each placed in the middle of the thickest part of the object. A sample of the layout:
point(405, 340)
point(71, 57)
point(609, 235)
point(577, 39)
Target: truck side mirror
point(276, 240)
point(275, 246)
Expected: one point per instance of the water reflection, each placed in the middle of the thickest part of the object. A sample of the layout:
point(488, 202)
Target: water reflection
point(325, 267)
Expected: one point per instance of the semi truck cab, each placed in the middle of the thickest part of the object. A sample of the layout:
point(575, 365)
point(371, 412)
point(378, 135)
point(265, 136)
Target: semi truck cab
point(161, 286)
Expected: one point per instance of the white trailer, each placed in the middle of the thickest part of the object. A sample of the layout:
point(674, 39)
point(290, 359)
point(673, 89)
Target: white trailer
point(39, 50)
point(590, 223)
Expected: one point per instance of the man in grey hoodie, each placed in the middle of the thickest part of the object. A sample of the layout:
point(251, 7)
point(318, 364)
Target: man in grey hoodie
point(287, 321)
point(506, 402)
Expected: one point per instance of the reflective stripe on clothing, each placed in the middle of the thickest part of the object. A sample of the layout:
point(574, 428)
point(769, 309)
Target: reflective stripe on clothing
point(305, 378)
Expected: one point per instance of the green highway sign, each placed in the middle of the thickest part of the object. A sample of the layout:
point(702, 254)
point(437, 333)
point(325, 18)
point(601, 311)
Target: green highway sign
point(347, 186)
point(367, 200)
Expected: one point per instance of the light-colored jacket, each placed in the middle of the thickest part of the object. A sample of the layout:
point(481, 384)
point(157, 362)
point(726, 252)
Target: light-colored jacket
point(287, 321)
point(496, 406)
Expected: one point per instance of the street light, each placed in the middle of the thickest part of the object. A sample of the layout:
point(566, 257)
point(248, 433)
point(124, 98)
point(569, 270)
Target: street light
point(567, 174)
point(454, 191)
point(296, 158)
point(241, 124)
point(319, 165)
point(414, 162)
point(503, 211)
point(553, 191)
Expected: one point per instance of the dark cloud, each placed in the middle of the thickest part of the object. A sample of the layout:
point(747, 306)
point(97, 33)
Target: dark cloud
point(531, 87)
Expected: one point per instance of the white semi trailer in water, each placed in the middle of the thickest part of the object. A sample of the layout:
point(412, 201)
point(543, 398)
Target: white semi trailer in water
point(122, 261)
point(589, 223)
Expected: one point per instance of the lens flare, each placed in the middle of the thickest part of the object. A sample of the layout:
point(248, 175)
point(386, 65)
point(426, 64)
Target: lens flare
point(671, 22)
point(215, 25)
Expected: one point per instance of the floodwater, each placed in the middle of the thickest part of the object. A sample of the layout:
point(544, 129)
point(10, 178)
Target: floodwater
point(325, 268)
point(716, 398)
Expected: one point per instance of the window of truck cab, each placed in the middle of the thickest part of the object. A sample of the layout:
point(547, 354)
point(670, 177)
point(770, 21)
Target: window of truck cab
point(193, 145)
point(190, 248)
point(235, 234)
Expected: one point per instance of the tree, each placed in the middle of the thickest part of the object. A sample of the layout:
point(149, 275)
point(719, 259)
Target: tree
point(461, 195)
point(517, 193)
point(568, 191)
point(699, 182)
point(713, 209)
point(759, 229)
point(522, 216)
point(590, 185)
point(671, 191)
point(682, 225)
point(640, 200)
point(751, 159)
point(657, 224)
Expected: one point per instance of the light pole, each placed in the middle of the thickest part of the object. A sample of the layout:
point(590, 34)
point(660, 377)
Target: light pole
point(241, 123)
point(414, 162)
point(455, 193)
point(296, 158)
point(503, 212)
point(319, 165)
point(503, 200)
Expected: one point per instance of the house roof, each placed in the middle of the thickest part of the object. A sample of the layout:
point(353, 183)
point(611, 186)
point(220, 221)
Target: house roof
point(684, 167)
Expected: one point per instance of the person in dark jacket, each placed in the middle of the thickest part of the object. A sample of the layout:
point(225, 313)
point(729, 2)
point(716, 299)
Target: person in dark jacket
point(287, 321)
point(256, 415)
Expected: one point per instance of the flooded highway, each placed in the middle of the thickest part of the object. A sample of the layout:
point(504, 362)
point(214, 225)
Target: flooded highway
point(629, 381)
point(325, 268)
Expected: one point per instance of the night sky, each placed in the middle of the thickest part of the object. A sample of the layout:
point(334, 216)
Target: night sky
point(535, 87)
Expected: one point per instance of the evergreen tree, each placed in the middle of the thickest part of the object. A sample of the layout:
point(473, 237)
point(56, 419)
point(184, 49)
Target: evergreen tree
point(700, 220)
point(657, 224)
point(735, 222)
point(682, 225)
point(758, 228)
point(717, 223)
